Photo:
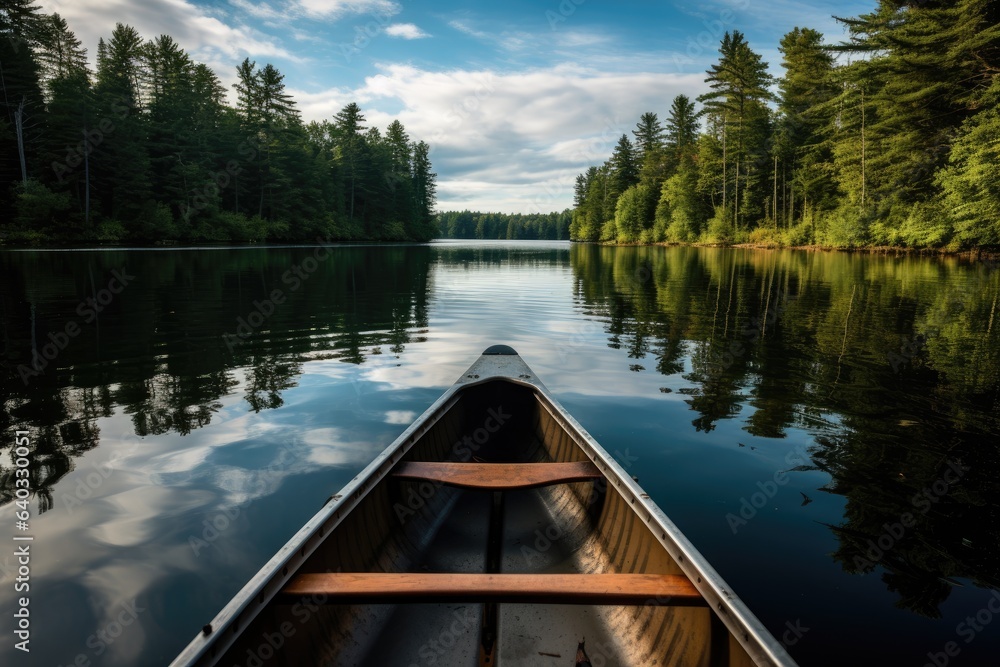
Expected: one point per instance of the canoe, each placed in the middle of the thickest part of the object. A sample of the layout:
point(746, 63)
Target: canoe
point(494, 531)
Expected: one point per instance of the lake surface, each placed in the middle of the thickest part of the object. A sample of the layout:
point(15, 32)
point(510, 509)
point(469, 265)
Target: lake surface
point(824, 427)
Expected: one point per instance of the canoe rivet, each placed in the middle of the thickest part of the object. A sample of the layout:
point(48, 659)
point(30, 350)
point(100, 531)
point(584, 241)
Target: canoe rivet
point(207, 630)
point(746, 636)
point(284, 570)
point(699, 580)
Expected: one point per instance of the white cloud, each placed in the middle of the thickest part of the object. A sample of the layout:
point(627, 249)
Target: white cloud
point(336, 8)
point(508, 40)
point(260, 10)
point(406, 31)
point(509, 141)
point(206, 37)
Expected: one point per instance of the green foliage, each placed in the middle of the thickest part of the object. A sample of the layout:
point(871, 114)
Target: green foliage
point(844, 227)
point(630, 214)
point(146, 149)
point(681, 211)
point(110, 231)
point(720, 228)
point(496, 226)
point(37, 208)
point(971, 181)
point(895, 144)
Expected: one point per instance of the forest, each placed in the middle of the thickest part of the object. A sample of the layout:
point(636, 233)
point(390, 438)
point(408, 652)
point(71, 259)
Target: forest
point(888, 138)
point(505, 226)
point(147, 149)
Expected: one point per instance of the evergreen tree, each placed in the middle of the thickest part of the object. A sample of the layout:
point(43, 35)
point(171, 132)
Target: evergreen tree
point(971, 182)
point(682, 126)
point(61, 54)
point(799, 148)
point(624, 166)
point(648, 135)
point(424, 193)
point(739, 83)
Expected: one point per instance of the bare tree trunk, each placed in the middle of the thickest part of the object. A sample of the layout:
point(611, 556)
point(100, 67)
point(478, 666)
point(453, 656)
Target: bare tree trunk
point(19, 125)
point(774, 204)
point(862, 147)
point(725, 173)
point(86, 178)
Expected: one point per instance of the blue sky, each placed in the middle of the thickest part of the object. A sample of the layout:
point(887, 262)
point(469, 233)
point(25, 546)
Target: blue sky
point(516, 98)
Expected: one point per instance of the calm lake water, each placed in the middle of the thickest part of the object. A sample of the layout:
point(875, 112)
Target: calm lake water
point(824, 427)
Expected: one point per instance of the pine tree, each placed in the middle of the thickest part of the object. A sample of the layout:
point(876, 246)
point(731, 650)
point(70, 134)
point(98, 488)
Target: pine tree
point(682, 126)
point(648, 135)
point(124, 193)
point(425, 192)
point(799, 148)
point(61, 53)
point(624, 167)
point(739, 83)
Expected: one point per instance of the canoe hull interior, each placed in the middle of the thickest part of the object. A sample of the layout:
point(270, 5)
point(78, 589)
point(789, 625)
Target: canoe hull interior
point(389, 524)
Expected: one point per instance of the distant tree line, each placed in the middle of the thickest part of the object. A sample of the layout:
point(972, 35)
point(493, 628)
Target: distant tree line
point(530, 226)
point(889, 138)
point(146, 149)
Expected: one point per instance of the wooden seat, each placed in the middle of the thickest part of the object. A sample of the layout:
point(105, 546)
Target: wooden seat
point(389, 587)
point(497, 476)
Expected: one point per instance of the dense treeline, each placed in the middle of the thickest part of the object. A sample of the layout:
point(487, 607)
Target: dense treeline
point(528, 227)
point(890, 138)
point(146, 149)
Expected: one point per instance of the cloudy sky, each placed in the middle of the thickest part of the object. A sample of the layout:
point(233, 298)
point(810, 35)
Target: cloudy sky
point(515, 97)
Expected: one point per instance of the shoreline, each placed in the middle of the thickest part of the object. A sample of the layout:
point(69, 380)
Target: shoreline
point(978, 254)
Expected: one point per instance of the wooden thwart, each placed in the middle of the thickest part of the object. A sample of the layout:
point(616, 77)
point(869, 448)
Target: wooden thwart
point(390, 587)
point(498, 476)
